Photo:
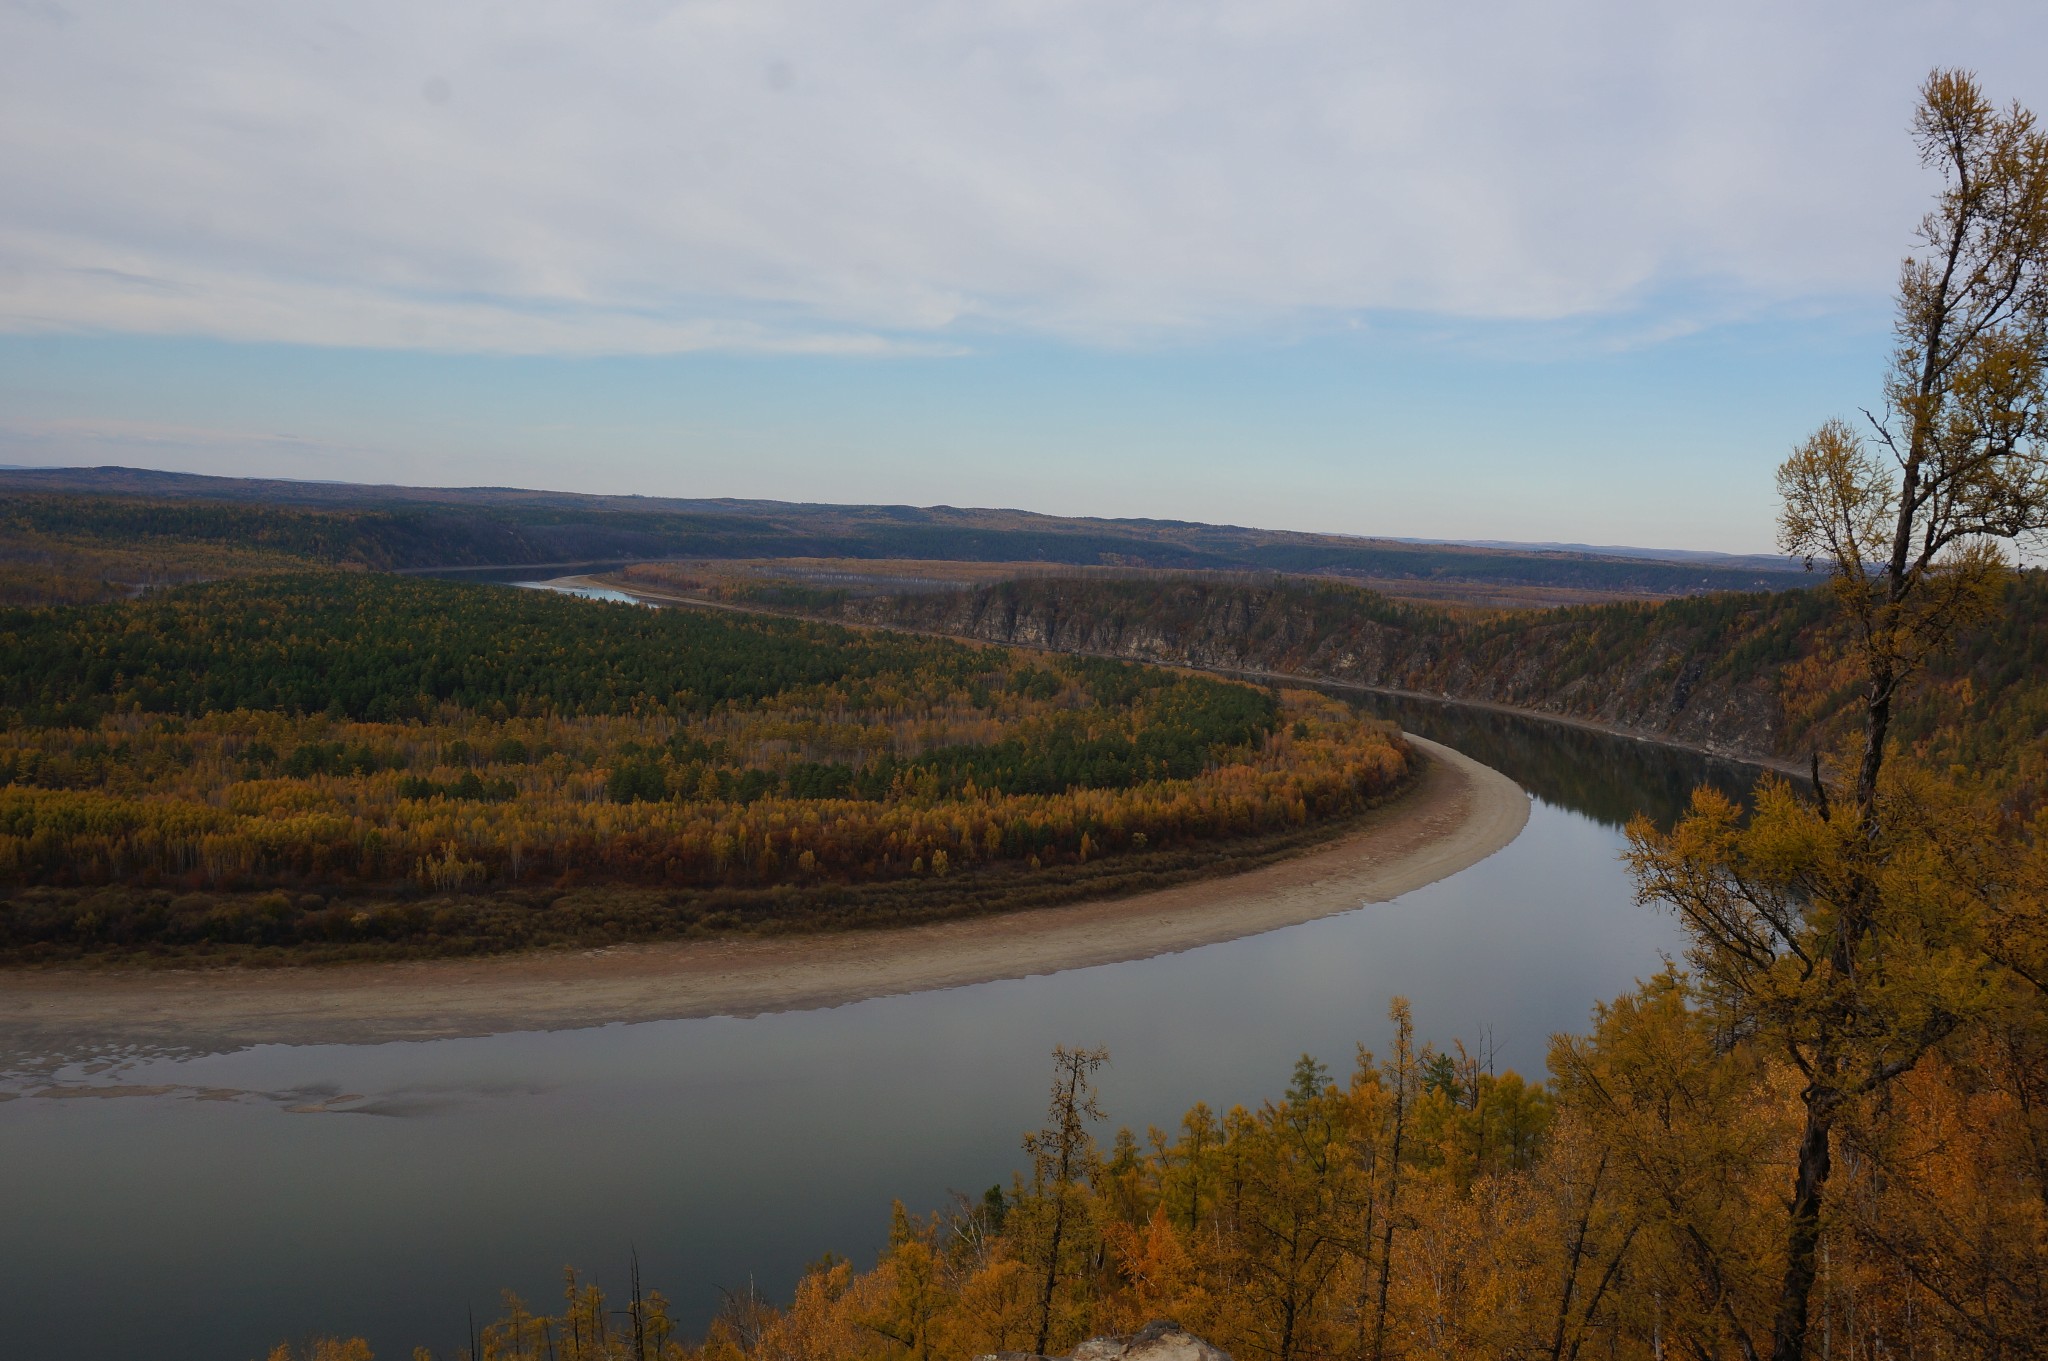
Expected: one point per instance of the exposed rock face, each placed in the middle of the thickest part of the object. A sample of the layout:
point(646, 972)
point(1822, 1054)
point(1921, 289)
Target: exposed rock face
point(1678, 681)
point(1161, 1341)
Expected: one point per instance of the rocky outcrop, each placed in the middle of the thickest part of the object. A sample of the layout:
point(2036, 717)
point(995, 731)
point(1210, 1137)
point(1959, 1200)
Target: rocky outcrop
point(1161, 1341)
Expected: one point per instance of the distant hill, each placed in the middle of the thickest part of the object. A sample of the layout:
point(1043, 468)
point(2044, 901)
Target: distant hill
point(401, 528)
point(1758, 562)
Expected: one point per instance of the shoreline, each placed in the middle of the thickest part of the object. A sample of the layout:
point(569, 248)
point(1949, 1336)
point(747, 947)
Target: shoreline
point(1457, 814)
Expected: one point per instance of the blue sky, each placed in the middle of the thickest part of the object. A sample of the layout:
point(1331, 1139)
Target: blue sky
point(1574, 272)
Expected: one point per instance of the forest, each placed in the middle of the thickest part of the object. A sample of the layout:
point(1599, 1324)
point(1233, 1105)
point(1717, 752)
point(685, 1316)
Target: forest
point(349, 765)
point(1758, 675)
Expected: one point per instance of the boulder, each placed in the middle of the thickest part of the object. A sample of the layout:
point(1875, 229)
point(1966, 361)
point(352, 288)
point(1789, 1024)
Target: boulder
point(1161, 1341)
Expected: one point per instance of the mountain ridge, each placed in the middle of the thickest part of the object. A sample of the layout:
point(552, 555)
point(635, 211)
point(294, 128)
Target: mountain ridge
point(476, 526)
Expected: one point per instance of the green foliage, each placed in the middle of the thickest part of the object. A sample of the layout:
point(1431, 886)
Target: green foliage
point(375, 538)
point(469, 786)
point(386, 649)
point(1182, 730)
point(382, 649)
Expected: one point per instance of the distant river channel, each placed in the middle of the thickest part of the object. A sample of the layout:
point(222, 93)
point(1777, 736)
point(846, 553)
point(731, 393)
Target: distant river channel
point(190, 1211)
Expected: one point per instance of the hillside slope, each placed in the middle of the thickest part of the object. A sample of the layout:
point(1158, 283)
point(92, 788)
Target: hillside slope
point(407, 527)
point(1743, 675)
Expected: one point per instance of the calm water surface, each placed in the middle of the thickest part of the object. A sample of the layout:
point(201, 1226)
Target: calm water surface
point(213, 1219)
point(604, 593)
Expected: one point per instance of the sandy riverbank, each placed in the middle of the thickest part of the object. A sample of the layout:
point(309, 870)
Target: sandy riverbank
point(1459, 813)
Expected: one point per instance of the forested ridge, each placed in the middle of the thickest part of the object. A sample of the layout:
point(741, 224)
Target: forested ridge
point(62, 517)
point(145, 540)
point(1753, 675)
point(353, 764)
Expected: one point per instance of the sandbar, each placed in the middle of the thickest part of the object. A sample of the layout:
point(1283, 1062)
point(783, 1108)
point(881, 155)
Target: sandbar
point(1457, 813)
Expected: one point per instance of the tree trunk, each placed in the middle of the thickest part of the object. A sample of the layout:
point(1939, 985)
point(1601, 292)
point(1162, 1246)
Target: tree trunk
point(1788, 1332)
point(1379, 1326)
point(1571, 1270)
point(1877, 725)
point(1052, 1271)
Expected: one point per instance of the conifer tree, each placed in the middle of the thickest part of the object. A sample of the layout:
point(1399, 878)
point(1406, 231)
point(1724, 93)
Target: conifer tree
point(1827, 928)
point(1063, 1160)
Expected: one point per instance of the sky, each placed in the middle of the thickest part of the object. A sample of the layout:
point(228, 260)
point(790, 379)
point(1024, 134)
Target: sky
point(1581, 271)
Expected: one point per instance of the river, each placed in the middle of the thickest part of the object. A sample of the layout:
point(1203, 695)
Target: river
point(205, 1205)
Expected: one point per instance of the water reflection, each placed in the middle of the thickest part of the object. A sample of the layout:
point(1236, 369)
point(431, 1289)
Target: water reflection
point(1606, 778)
point(236, 1199)
point(581, 590)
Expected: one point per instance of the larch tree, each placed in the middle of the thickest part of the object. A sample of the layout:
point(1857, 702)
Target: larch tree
point(1063, 1160)
point(1383, 1205)
point(1825, 928)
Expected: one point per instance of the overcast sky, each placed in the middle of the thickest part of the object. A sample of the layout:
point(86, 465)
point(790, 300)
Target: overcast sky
point(1573, 271)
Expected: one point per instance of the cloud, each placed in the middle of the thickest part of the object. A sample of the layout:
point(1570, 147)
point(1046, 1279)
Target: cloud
point(889, 176)
point(87, 440)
